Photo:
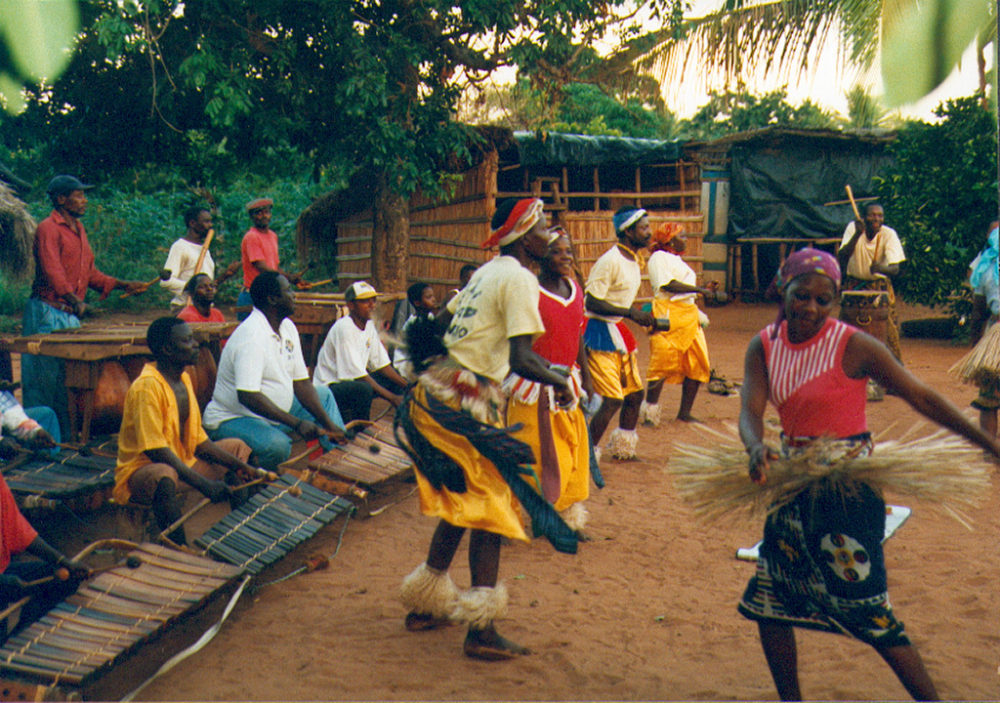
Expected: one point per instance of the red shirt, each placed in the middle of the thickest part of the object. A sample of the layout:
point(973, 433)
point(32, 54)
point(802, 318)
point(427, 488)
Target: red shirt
point(191, 314)
point(808, 386)
point(65, 263)
point(564, 323)
point(258, 245)
point(15, 532)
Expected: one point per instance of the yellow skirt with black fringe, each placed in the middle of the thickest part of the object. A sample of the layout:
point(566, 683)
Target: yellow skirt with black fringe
point(487, 503)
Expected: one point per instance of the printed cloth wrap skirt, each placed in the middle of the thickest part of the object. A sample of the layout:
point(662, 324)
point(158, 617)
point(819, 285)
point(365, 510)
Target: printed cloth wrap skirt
point(821, 564)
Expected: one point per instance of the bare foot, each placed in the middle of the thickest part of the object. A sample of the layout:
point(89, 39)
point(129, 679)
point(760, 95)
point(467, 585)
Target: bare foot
point(489, 645)
point(418, 622)
point(688, 418)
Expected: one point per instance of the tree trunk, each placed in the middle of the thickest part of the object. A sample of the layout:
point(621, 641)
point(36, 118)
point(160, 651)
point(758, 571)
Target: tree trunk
point(390, 238)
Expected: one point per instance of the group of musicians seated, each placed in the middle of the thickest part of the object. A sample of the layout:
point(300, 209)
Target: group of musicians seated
point(263, 396)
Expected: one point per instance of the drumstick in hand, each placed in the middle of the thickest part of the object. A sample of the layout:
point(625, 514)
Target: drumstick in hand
point(854, 205)
point(145, 286)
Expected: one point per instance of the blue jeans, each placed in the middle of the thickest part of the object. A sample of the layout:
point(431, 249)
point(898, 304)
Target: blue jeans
point(43, 378)
point(242, 300)
point(46, 417)
point(271, 443)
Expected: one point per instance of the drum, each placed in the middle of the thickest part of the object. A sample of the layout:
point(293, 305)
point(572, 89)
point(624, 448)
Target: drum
point(868, 310)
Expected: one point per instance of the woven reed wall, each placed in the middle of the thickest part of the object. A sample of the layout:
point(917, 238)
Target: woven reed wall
point(592, 235)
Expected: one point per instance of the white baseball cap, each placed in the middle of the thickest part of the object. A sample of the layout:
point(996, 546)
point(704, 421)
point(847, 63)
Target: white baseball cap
point(359, 290)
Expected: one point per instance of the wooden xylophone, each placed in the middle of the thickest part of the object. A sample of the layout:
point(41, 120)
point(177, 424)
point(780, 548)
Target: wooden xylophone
point(371, 458)
point(113, 613)
point(270, 524)
point(38, 480)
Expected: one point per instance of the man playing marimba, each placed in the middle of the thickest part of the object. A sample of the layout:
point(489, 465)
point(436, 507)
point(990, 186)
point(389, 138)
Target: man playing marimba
point(16, 577)
point(65, 270)
point(870, 262)
point(162, 441)
point(353, 361)
point(262, 391)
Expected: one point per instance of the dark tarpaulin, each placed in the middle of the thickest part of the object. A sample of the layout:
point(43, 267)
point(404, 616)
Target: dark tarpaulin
point(778, 190)
point(556, 149)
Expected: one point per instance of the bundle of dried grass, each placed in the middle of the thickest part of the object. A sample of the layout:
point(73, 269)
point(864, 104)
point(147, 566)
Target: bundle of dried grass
point(940, 469)
point(17, 236)
point(982, 364)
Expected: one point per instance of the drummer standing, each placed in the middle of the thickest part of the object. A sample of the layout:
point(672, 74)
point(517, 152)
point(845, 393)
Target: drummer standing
point(871, 262)
point(65, 270)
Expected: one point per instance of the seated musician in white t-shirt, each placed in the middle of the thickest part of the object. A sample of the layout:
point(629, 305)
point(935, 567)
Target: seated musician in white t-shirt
point(353, 361)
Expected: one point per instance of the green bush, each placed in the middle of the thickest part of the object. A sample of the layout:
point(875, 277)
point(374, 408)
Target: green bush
point(131, 223)
point(940, 194)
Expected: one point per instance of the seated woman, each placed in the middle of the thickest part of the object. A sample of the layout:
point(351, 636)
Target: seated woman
point(814, 368)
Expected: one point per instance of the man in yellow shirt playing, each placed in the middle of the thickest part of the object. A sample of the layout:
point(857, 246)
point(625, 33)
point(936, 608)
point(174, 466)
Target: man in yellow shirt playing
point(162, 442)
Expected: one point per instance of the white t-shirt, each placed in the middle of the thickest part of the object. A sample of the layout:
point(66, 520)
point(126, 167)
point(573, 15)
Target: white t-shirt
point(664, 267)
point(349, 353)
point(500, 302)
point(885, 249)
point(180, 261)
point(615, 280)
point(256, 359)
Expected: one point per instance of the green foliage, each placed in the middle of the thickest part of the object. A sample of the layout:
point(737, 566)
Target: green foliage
point(132, 223)
point(729, 112)
point(35, 40)
point(940, 194)
point(864, 111)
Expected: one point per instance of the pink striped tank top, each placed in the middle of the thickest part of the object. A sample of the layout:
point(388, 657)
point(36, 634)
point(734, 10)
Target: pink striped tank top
point(808, 386)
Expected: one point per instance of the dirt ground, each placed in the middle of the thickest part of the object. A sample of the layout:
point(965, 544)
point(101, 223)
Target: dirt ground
point(646, 611)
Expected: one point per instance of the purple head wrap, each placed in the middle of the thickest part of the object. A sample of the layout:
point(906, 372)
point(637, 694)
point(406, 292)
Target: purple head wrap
point(801, 262)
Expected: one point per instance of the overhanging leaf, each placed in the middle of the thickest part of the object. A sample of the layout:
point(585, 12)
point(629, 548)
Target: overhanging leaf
point(925, 41)
point(38, 35)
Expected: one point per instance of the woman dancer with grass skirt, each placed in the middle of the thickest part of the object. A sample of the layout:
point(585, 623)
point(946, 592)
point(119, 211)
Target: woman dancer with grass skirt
point(557, 433)
point(821, 564)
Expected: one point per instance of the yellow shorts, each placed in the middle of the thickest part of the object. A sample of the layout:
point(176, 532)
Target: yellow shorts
point(614, 374)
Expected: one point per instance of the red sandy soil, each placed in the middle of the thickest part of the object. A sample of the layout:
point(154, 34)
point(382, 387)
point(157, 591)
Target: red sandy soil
point(645, 611)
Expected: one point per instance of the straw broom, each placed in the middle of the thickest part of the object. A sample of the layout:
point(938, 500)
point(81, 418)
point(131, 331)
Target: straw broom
point(940, 469)
point(17, 236)
point(982, 364)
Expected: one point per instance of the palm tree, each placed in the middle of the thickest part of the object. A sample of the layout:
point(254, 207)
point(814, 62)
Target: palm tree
point(779, 37)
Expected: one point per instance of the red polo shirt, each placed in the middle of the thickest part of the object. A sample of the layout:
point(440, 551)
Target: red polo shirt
point(15, 532)
point(65, 263)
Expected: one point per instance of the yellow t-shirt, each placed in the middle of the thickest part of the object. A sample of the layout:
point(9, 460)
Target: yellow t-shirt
point(151, 421)
point(500, 302)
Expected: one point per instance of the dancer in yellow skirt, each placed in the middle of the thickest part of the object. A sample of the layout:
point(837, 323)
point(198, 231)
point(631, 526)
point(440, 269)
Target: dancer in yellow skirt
point(679, 355)
point(557, 433)
point(470, 471)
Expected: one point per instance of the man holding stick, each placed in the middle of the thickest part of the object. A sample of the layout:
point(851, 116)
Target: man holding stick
point(162, 442)
point(259, 251)
point(190, 255)
point(870, 254)
point(65, 270)
point(263, 392)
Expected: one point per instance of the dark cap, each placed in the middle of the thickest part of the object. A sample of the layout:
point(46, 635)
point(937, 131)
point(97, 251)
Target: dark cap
point(64, 185)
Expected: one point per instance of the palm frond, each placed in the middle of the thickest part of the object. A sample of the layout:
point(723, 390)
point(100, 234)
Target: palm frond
point(770, 38)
